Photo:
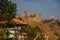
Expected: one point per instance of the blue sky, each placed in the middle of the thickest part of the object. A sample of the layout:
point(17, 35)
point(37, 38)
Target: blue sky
point(45, 7)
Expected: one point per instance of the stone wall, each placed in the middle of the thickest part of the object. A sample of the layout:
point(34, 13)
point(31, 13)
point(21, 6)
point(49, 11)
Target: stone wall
point(29, 18)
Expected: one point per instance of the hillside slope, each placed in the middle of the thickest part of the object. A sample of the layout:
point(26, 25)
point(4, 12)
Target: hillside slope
point(36, 20)
point(53, 25)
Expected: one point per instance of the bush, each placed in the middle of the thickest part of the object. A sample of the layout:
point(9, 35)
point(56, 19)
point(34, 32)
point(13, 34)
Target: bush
point(2, 34)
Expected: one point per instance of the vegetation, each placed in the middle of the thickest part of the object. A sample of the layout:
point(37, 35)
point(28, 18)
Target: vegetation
point(53, 25)
point(34, 33)
point(2, 34)
point(7, 12)
point(7, 9)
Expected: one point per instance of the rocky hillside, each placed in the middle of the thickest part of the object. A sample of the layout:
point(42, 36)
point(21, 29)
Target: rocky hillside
point(53, 25)
point(36, 20)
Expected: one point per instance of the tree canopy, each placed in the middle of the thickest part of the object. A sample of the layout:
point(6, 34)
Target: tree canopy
point(7, 9)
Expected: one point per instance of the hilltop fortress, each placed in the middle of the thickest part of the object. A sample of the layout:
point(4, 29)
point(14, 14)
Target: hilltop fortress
point(29, 18)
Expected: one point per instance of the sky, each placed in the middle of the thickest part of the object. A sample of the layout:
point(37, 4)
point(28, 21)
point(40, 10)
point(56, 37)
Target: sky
point(46, 8)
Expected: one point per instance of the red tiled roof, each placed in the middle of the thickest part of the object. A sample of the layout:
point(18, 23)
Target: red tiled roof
point(3, 22)
point(16, 21)
point(13, 21)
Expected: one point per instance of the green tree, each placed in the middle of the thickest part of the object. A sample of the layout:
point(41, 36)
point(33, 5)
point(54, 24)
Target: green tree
point(30, 31)
point(34, 33)
point(7, 9)
point(2, 34)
